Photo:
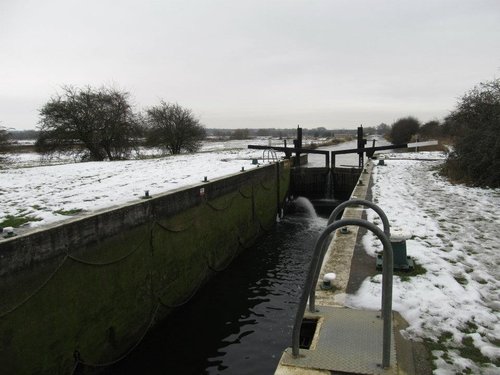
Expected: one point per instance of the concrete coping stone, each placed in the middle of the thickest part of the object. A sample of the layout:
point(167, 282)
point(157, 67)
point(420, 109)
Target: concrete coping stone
point(399, 235)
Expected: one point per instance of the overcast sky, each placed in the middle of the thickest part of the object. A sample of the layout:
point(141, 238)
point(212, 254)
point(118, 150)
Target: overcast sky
point(239, 63)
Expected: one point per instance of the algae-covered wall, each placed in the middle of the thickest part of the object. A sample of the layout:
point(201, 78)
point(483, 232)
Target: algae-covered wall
point(83, 294)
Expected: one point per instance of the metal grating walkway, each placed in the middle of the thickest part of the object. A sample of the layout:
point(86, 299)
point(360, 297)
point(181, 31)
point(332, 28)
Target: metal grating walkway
point(349, 341)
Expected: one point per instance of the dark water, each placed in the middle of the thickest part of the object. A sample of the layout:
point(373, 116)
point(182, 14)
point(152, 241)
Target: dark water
point(241, 322)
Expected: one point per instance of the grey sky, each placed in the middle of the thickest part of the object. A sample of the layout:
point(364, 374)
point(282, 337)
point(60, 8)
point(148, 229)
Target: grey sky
point(252, 63)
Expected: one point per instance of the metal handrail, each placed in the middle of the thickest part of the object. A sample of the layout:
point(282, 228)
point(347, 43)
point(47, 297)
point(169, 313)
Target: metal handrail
point(362, 202)
point(333, 217)
point(270, 154)
point(310, 282)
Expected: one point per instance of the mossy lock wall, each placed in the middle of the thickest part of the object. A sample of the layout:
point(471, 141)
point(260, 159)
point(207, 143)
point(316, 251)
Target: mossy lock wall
point(85, 292)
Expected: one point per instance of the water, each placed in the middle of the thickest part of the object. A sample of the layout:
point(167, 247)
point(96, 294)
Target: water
point(241, 322)
point(304, 205)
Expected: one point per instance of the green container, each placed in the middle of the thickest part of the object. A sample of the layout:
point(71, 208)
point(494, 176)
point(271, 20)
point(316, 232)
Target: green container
point(402, 262)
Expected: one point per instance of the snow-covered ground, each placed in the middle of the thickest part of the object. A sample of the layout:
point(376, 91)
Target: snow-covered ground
point(33, 159)
point(455, 237)
point(455, 233)
point(46, 194)
point(43, 191)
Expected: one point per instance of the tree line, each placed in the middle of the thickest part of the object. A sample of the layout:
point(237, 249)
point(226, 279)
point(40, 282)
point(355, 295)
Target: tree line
point(100, 124)
point(95, 124)
point(318, 132)
point(472, 130)
point(4, 142)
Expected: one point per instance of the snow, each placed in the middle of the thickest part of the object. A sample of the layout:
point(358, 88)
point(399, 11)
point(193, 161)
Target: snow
point(39, 192)
point(454, 232)
point(454, 236)
point(30, 159)
point(45, 191)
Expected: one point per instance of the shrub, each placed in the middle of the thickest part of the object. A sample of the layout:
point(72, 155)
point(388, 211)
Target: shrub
point(476, 128)
point(403, 129)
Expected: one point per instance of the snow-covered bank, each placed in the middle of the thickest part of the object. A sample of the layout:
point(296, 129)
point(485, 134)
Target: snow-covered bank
point(42, 191)
point(48, 194)
point(33, 159)
point(456, 229)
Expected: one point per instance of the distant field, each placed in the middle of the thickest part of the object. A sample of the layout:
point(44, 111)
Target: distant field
point(36, 191)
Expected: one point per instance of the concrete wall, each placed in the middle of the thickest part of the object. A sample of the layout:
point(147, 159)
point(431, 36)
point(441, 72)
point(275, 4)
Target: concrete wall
point(90, 288)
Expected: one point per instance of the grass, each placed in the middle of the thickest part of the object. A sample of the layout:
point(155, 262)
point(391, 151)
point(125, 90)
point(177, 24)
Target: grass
point(406, 275)
point(38, 207)
point(468, 350)
point(461, 280)
point(74, 211)
point(470, 327)
point(465, 350)
point(440, 345)
point(17, 221)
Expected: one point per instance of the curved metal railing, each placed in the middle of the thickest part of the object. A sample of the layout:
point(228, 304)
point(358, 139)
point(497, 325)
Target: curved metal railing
point(333, 217)
point(272, 156)
point(361, 202)
point(311, 279)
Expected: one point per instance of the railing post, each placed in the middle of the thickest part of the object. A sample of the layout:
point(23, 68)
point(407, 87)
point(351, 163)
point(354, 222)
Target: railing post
point(278, 189)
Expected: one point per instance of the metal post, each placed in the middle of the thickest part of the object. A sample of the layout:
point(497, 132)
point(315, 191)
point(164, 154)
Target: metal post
point(299, 136)
point(318, 256)
point(361, 144)
point(278, 188)
point(298, 144)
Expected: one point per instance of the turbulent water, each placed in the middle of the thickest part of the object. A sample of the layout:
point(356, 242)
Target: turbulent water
point(241, 322)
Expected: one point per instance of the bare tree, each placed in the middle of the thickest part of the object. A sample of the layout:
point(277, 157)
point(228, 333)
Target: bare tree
point(4, 138)
point(94, 124)
point(383, 129)
point(173, 128)
point(4, 142)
